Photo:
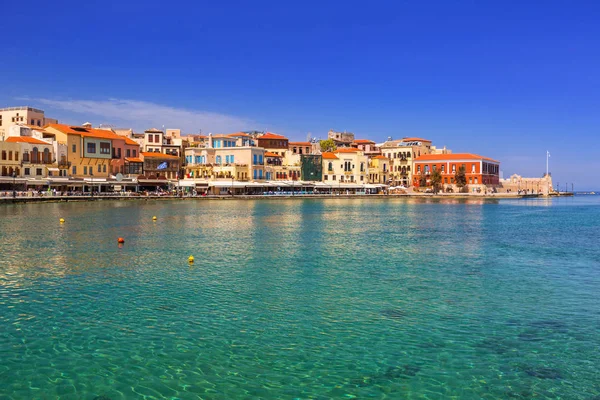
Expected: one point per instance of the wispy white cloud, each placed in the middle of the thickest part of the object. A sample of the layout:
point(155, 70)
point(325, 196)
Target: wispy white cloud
point(141, 115)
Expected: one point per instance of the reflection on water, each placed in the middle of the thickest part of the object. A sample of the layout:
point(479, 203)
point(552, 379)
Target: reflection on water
point(335, 298)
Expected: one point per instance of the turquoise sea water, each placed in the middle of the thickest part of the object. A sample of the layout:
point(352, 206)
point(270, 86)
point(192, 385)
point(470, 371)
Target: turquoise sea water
point(301, 299)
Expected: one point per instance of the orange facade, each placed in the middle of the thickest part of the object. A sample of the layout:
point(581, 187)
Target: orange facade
point(478, 170)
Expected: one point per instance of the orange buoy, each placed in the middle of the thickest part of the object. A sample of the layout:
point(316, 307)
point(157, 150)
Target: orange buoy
point(121, 240)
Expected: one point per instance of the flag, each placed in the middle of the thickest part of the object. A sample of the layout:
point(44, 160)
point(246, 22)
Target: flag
point(162, 165)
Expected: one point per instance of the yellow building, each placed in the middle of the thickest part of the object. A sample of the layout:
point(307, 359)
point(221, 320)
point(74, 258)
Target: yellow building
point(345, 165)
point(89, 151)
point(379, 170)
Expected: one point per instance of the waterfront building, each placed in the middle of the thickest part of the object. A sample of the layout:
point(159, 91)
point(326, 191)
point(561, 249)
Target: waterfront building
point(159, 166)
point(401, 154)
point(379, 169)
point(518, 184)
point(345, 165)
point(479, 171)
point(25, 115)
point(311, 166)
point(36, 157)
point(89, 151)
point(226, 157)
point(273, 143)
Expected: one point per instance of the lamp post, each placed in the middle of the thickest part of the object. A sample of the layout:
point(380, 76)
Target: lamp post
point(232, 185)
point(92, 182)
point(14, 190)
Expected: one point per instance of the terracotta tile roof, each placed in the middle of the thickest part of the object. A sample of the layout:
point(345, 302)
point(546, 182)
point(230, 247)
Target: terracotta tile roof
point(415, 139)
point(347, 150)
point(380, 157)
point(158, 155)
point(130, 159)
point(453, 156)
point(87, 132)
point(300, 143)
point(363, 141)
point(329, 156)
point(270, 135)
point(269, 154)
point(25, 139)
point(130, 141)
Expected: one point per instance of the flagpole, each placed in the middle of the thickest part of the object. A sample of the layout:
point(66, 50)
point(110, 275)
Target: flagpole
point(547, 156)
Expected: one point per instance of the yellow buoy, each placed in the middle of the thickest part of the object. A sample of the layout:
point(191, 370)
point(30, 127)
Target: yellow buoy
point(62, 221)
point(154, 218)
point(191, 259)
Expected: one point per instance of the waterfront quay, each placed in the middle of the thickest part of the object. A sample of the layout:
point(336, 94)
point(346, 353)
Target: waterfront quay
point(8, 199)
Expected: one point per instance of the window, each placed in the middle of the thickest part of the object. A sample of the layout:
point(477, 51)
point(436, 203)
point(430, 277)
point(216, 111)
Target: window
point(27, 171)
point(74, 148)
point(218, 159)
point(150, 138)
point(255, 158)
point(453, 168)
point(16, 156)
point(260, 160)
point(418, 169)
point(330, 167)
point(128, 153)
point(9, 155)
point(231, 159)
point(473, 168)
point(105, 148)
point(104, 169)
point(84, 170)
point(134, 153)
point(99, 168)
point(324, 177)
point(38, 171)
point(333, 177)
point(4, 154)
point(91, 148)
point(156, 139)
point(443, 169)
point(74, 170)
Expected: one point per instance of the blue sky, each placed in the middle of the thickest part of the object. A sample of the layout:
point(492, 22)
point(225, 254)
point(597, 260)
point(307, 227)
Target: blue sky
point(508, 80)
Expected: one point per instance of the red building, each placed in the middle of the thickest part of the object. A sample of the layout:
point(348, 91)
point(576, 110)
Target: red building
point(479, 170)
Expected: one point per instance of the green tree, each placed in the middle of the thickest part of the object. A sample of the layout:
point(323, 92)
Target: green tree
point(423, 181)
point(460, 178)
point(436, 180)
point(327, 145)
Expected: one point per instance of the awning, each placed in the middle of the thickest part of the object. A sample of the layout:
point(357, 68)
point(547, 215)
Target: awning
point(53, 169)
point(186, 184)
